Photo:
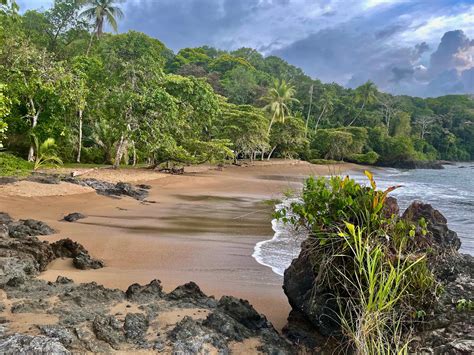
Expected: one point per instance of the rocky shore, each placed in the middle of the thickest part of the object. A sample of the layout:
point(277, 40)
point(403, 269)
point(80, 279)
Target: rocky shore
point(63, 317)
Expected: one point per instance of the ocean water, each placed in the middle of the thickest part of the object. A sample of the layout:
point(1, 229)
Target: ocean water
point(450, 190)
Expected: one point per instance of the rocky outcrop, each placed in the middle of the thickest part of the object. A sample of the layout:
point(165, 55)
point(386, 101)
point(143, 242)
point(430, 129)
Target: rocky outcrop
point(92, 318)
point(74, 217)
point(443, 237)
point(112, 190)
point(449, 329)
point(23, 255)
point(27, 344)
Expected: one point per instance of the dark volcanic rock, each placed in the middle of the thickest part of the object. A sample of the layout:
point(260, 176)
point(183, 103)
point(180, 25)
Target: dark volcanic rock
point(50, 179)
point(28, 227)
point(135, 326)
point(83, 261)
point(191, 337)
point(443, 237)
point(147, 293)
point(67, 248)
point(108, 329)
point(192, 293)
point(227, 325)
point(243, 312)
point(112, 190)
point(73, 217)
point(27, 344)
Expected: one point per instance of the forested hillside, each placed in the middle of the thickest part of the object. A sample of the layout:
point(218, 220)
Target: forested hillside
point(69, 90)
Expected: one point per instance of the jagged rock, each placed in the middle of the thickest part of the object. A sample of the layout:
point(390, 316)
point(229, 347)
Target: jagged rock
point(226, 325)
point(61, 333)
point(148, 293)
point(243, 312)
point(135, 326)
point(73, 217)
point(191, 337)
point(67, 248)
point(27, 344)
point(28, 227)
point(192, 293)
point(108, 329)
point(437, 224)
point(109, 189)
point(28, 248)
point(83, 261)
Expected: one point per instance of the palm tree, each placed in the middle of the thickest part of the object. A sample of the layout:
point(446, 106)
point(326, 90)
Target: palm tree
point(365, 94)
point(101, 11)
point(279, 96)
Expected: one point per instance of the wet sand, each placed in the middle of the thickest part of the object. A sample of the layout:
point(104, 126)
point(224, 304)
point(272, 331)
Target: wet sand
point(202, 228)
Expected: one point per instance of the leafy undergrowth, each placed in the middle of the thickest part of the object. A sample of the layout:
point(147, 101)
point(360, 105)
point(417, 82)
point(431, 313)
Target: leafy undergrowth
point(376, 264)
point(11, 165)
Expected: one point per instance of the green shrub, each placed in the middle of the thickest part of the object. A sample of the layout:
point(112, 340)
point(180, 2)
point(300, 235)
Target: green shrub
point(11, 165)
point(366, 158)
point(375, 263)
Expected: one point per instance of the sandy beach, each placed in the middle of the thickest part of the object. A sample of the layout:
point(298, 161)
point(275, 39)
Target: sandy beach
point(201, 227)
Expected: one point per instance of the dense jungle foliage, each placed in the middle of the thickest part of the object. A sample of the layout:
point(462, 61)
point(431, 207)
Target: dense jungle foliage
point(126, 99)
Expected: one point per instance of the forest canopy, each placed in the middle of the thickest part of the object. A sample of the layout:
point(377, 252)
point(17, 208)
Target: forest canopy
point(126, 98)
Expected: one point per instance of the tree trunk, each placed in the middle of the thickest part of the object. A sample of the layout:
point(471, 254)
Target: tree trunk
point(358, 114)
point(309, 112)
point(271, 152)
point(119, 152)
point(319, 118)
point(79, 143)
point(134, 162)
point(271, 124)
point(34, 123)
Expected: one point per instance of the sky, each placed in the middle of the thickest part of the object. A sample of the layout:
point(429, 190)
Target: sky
point(414, 47)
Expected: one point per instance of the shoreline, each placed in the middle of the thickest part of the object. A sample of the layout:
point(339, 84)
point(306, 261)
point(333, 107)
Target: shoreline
point(198, 230)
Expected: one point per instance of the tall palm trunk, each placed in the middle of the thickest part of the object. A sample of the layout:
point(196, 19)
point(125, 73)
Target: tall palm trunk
point(358, 114)
point(271, 123)
point(309, 111)
point(79, 143)
point(319, 118)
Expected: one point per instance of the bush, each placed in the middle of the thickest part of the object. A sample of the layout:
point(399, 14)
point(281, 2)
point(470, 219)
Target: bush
point(11, 165)
point(366, 158)
point(374, 262)
point(323, 161)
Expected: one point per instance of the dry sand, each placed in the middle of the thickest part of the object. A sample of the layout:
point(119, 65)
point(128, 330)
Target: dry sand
point(202, 228)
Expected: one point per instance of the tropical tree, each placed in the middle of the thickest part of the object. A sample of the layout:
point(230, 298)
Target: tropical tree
point(279, 97)
point(365, 94)
point(100, 12)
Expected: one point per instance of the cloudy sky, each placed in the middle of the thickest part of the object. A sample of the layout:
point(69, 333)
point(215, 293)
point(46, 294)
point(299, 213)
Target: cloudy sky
point(416, 47)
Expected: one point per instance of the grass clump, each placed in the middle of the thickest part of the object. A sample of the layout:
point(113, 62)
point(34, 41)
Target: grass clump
point(11, 165)
point(373, 262)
